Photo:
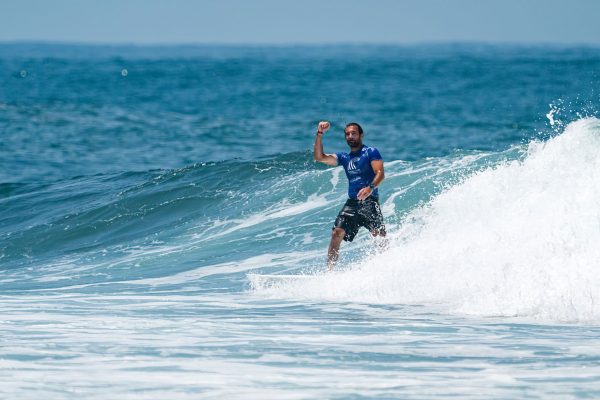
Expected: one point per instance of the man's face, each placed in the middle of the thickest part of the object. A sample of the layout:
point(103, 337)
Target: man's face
point(353, 137)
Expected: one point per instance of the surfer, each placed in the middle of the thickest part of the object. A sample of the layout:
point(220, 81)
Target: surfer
point(364, 169)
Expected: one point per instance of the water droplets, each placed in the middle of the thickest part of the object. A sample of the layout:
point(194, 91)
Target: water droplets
point(124, 72)
point(550, 115)
point(555, 115)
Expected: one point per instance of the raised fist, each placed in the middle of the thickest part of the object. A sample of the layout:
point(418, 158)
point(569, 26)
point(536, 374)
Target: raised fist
point(323, 126)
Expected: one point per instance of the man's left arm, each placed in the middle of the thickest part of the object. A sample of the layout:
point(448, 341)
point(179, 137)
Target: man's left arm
point(377, 166)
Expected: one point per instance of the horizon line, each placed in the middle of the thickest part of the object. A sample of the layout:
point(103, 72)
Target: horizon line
point(300, 44)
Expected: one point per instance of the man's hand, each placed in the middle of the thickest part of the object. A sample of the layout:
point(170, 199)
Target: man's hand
point(323, 126)
point(364, 193)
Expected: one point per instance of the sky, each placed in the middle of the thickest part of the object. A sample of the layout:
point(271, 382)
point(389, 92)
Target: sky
point(300, 21)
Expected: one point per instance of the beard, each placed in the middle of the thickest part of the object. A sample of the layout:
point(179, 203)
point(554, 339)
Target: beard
point(352, 143)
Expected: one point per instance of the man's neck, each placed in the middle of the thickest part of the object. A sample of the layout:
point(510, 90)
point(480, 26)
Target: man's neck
point(357, 148)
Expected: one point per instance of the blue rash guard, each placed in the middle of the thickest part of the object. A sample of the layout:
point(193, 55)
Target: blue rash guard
point(358, 169)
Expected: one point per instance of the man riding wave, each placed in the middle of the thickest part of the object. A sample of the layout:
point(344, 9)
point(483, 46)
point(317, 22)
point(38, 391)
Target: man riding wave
point(364, 169)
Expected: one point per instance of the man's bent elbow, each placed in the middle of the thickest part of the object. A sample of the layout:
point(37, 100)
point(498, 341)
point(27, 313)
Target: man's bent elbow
point(321, 158)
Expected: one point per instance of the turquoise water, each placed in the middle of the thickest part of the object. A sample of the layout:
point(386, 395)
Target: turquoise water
point(141, 188)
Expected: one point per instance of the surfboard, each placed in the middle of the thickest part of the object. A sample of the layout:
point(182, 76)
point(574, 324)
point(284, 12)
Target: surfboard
point(267, 280)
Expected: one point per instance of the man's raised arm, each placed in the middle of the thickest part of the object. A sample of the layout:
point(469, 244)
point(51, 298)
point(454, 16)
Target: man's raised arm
point(329, 159)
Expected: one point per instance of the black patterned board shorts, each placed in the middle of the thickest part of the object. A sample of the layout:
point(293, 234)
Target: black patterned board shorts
point(356, 213)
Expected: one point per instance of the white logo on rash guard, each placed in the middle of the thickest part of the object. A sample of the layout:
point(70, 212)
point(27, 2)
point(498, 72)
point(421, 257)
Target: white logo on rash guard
point(352, 163)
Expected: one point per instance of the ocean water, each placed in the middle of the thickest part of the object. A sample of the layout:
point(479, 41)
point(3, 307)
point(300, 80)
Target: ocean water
point(142, 189)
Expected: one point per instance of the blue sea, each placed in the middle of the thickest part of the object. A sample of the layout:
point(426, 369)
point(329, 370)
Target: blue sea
point(144, 190)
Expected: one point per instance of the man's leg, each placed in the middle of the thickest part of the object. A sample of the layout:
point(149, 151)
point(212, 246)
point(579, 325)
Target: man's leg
point(337, 235)
point(383, 242)
point(377, 226)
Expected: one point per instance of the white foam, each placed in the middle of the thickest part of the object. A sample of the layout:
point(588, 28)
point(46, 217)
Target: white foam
point(518, 239)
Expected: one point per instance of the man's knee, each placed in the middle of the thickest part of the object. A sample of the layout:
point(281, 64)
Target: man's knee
point(337, 233)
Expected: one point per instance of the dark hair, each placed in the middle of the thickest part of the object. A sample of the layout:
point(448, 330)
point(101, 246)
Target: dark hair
point(360, 130)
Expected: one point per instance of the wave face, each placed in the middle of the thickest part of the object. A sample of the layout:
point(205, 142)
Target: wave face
point(509, 233)
point(142, 225)
point(517, 238)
